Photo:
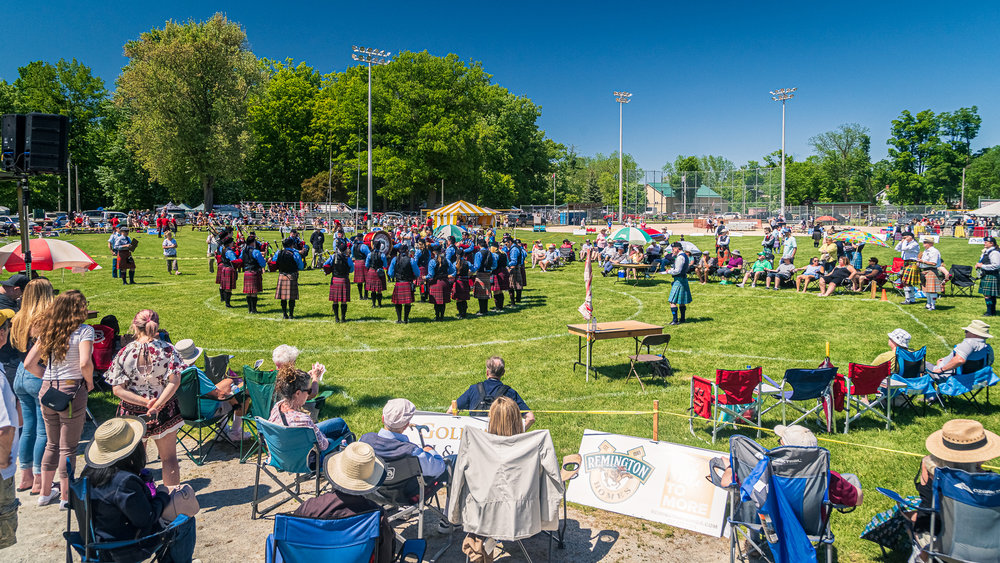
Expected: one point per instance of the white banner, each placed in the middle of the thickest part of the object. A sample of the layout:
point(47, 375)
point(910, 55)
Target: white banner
point(742, 225)
point(657, 481)
point(443, 432)
point(976, 240)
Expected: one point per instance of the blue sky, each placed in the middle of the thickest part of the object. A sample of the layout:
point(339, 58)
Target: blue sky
point(699, 72)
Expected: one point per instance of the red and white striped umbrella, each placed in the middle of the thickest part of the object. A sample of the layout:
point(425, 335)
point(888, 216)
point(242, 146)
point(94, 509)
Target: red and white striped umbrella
point(47, 254)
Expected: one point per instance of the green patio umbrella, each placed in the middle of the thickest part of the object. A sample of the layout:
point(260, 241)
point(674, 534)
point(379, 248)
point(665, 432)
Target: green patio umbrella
point(631, 235)
point(445, 231)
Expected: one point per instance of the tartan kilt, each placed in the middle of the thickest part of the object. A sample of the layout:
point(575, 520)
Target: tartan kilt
point(288, 287)
point(253, 282)
point(228, 277)
point(423, 272)
point(500, 282)
point(360, 272)
point(932, 283)
point(218, 274)
point(461, 289)
point(517, 277)
point(988, 285)
point(125, 260)
point(375, 280)
point(680, 293)
point(340, 290)
point(440, 292)
point(402, 293)
point(910, 275)
point(482, 287)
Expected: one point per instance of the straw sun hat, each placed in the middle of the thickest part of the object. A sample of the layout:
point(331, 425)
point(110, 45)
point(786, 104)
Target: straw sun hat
point(964, 441)
point(188, 351)
point(979, 328)
point(114, 440)
point(355, 470)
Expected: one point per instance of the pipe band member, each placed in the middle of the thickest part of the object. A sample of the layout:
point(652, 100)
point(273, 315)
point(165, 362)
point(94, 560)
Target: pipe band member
point(339, 265)
point(680, 293)
point(289, 262)
point(405, 271)
point(253, 273)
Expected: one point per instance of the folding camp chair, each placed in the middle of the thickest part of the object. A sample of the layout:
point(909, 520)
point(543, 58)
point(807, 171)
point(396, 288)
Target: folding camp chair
point(962, 280)
point(730, 395)
point(971, 378)
point(860, 383)
point(911, 371)
point(895, 274)
point(217, 367)
point(293, 450)
point(803, 385)
point(804, 473)
point(967, 507)
point(647, 358)
point(345, 540)
point(85, 543)
point(209, 425)
point(259, 388)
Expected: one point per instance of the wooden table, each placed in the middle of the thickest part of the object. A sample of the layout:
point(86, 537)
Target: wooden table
point(608, 331)
point(636, 269)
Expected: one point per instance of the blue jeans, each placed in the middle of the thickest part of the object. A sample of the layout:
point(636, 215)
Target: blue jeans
point(32, 446)
point(336, 430)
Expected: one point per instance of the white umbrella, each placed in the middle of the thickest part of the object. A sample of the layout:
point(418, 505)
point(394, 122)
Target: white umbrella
point(47, 254)
point(631, 235)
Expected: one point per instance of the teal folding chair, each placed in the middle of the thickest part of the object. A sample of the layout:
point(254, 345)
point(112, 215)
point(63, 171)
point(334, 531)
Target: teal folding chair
point(259, 388)
point(209, 426)
point(291, 450)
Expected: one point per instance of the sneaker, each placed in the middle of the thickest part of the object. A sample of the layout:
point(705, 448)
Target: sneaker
point(45, 500)
point(447, 527)
point(739, 285)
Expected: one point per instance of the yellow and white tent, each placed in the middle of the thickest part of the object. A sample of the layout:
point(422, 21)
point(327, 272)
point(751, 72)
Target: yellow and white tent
point(463, 213)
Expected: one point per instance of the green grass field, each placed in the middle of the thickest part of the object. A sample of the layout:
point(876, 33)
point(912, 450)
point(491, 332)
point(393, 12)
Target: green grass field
point(372, 359)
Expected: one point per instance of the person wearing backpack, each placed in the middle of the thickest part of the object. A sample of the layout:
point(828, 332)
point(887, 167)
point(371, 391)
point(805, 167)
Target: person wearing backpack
point(478, 398)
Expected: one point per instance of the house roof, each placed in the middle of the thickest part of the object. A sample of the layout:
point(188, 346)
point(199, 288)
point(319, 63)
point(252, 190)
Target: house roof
point(665, 190)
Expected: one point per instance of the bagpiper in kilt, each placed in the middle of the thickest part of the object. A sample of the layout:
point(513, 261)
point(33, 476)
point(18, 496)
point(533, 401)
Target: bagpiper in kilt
point(929, 260)
point(439, 271)
point(339, 265)
point(989, 282)
point(228, 271)
point(515, 263)
point(253, 273)
point(500, 279)
point(910, 276)
point(375, 276)
point(461, 290)
point(124, 246)
point(680, 293)
point(483, 266)
point(289, 262)
point(404, 269)
point(423, 257)
point(359, 252)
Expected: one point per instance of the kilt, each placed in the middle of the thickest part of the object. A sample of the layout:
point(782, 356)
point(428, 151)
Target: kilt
point(482, 286)
point(501, 282)
point(517, 277)
point(460, 290)
point(932, 283)
point(375, 280)
point(228, 277)
point(988, 285)
point(910, 275)
point(125, 260)
point(288, 287)
point(360, 272)
point(402, 293)
point(440, 292)
point(253, 282)
point(340, 290)
point(680, 293)
point(218, 274)
point(856, 260)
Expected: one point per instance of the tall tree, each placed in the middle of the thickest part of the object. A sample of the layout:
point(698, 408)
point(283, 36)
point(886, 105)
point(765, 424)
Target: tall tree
point(845, 161)
point(983, 177)
point(187, 87)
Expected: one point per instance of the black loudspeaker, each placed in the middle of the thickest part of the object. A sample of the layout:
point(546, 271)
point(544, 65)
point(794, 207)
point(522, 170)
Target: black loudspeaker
point(45, 143)
point(12, 141)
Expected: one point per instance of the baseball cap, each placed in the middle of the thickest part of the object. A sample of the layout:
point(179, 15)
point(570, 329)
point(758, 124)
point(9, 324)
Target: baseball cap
point(5, 316)
point(398, 412)
point(796, 435)
point(17, 280)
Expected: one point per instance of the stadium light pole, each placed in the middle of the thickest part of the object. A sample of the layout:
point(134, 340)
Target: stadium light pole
point(370, 56)
point(782, 95)
point(622, 98)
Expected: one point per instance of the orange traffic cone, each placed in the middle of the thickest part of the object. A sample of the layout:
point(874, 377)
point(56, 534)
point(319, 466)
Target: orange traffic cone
point(884, 298)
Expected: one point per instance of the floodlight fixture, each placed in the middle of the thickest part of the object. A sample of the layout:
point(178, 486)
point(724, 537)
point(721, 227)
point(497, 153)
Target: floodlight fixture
point(370, 56)
point(622, 98)
point(782, 95)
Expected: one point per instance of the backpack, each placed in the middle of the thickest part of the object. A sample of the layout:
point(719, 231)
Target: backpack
point(486, 401)
point(661, 368)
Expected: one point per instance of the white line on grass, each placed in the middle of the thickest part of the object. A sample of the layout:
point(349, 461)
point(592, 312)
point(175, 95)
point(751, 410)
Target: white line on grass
point(370, 349)
point(921, 323)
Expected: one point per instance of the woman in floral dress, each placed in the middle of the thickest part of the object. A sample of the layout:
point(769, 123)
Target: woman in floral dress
point(146, 374)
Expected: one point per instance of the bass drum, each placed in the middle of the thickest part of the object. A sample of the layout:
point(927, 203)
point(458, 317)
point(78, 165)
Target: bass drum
point(371, 239)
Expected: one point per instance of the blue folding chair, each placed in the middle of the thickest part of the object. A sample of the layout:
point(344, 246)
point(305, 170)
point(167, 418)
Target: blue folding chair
point(291, 450)
point(911, 371)
point(971, 378)
point(84, 542)
point(346, 540)
point(803, 385)
point(965, 516)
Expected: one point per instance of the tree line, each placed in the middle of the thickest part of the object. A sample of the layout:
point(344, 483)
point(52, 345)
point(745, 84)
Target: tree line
point(196, 117)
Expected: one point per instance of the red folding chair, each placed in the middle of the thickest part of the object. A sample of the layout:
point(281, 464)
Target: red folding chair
point(735, 393)
point(858, 385)
point(104, 347)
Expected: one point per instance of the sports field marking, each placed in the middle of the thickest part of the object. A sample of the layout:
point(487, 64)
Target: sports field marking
point(396, 350)
point(921, 323)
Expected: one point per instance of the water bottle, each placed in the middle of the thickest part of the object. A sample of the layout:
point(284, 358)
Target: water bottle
point(235, 389)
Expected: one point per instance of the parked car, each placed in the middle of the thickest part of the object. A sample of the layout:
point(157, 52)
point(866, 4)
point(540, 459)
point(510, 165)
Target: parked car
point(8, 225)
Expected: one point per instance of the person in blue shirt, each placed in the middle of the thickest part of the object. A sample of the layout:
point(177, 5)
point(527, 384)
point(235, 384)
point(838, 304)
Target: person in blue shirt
point(475, 397)
point(112, 242)
point(462, 287)
point(482, 267)
point(375, 263)
point(253, 273)
point(440, 275)
point(391, 444)
point(500, 276)
point(339, 265)
point(451, 250)
point(123, 246)
point(405, 271)
point(289, 262)
point(227, 270)
point(359, 253)
point(515, 262)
